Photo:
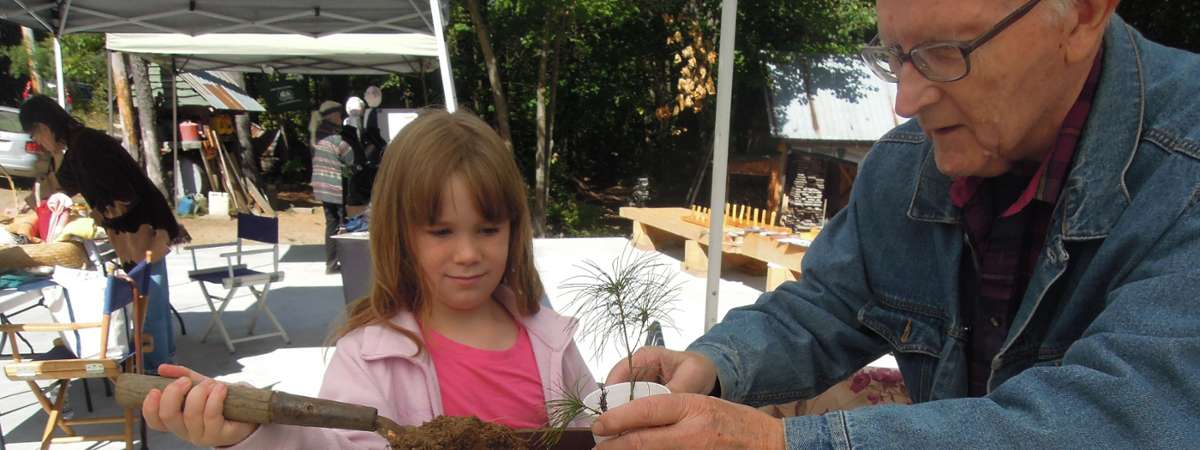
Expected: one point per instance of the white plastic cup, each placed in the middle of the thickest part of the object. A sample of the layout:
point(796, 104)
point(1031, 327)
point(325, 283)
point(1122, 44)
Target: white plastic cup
point(618, 394)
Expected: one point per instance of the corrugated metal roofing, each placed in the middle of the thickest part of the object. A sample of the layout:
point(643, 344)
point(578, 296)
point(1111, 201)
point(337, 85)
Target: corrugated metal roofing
point(207, 88)
point(219, 90)
point(830, 98)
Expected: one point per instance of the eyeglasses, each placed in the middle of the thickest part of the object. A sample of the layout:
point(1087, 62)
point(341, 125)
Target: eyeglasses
point(943, 61)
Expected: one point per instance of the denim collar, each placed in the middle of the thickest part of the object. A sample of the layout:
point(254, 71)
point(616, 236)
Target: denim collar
point(1094, 194)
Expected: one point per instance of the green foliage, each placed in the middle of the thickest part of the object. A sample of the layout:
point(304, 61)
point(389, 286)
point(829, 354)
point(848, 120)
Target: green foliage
point(617, 70)
point(84, 68)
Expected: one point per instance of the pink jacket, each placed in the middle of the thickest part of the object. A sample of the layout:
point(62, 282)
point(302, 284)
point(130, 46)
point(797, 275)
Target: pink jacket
point(375, 366)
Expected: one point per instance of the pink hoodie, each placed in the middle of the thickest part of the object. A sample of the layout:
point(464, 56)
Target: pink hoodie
point(374, 366)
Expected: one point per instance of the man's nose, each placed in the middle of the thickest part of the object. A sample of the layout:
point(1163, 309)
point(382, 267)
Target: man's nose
point(914, 91)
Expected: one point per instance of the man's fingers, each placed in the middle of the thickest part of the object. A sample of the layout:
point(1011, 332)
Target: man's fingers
point(652, 411)
point(657, 438)
point(647, 366)
point(619, 372)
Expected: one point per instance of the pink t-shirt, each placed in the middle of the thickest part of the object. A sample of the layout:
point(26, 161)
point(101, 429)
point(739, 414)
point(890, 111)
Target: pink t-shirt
point(497, 386)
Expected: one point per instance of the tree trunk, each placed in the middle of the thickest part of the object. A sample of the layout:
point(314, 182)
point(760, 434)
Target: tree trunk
point(547, 81)
point(242, 123)
point(145, 109)
point(485, 43)
point(125, 105)
point(28, 39)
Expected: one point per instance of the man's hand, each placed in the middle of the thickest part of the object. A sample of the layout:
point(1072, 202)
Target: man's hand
point(682, 372)
point(688, 421)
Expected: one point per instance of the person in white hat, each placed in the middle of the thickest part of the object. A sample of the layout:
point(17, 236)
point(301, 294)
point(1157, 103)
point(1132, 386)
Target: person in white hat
point(332, 159)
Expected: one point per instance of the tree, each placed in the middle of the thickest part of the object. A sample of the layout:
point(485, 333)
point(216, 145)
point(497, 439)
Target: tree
point(138, 68)
point(485, 43)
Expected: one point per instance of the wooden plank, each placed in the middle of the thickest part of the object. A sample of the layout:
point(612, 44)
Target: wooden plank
point(58, 369)
point(46, 327)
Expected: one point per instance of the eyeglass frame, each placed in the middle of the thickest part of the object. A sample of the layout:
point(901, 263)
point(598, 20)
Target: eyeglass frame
point(965, 47)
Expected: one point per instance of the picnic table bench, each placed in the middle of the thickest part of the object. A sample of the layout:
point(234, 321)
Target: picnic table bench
point(665, 228)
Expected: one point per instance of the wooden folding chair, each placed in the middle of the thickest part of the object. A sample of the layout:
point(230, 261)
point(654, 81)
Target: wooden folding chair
point(61, 363)
point(235, 275)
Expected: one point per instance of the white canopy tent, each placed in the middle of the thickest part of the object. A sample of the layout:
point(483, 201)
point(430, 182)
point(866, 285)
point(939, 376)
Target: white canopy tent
point(313, 20)
point(340, 54)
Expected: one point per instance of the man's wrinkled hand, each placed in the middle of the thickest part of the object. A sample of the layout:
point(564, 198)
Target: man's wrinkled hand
point(681, 372)
point(688, 421)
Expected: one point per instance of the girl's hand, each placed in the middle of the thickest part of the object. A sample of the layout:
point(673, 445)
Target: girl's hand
point(193, 413)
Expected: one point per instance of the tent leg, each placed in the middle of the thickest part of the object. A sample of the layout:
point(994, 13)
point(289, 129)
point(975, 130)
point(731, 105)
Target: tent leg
point(176, 176)
point(58, 73)
point(443, 56)
point(720, 158)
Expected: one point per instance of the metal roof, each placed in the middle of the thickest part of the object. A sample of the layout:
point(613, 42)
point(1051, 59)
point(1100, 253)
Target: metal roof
point(208, 89)
point(830, 98)
point(306, 17)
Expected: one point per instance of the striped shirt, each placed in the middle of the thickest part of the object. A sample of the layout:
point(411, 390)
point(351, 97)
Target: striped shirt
point(332, 157)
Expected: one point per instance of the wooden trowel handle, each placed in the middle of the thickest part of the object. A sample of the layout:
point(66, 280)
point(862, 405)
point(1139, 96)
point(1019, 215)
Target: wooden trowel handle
point(261, 406)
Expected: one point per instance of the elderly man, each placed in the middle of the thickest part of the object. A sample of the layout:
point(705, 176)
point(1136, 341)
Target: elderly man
point(1028, 249)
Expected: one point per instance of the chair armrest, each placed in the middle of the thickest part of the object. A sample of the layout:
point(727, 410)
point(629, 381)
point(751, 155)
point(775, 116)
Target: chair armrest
point(40, 327)
point(247, 252)
point(203, 246)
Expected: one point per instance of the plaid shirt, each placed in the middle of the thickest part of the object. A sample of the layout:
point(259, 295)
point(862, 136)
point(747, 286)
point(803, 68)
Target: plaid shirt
point(1005, 244)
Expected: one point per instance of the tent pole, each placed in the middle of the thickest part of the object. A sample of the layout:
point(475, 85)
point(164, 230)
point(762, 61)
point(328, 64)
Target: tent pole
point(58, 72)
point(177, 177)
point(716, 235)
point(443, 56)
point(108, 64)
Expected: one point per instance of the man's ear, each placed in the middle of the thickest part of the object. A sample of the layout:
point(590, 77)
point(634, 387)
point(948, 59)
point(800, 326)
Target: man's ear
point(1087, 19)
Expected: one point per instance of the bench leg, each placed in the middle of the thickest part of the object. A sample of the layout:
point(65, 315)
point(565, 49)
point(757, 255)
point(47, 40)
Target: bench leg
point(642, 237)
point(777, 275)
point(695, 258)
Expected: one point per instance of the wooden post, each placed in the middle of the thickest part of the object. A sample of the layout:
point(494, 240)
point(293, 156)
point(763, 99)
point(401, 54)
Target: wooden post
point(125, 105)
point(30, 42)
point(778, 183)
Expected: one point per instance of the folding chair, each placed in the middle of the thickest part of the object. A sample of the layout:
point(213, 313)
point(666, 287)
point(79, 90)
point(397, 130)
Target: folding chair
point(62, 364)
point(103, 257)
point(235, 274)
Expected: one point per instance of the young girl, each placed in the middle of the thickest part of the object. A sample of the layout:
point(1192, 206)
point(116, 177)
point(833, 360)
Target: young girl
point(453, 324)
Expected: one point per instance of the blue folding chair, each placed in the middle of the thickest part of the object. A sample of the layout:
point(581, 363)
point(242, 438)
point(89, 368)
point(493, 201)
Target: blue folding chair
point(235, 274)
point(61, 363)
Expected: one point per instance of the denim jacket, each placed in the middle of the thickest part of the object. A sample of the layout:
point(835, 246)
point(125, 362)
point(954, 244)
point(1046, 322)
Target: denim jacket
point(1104, 351)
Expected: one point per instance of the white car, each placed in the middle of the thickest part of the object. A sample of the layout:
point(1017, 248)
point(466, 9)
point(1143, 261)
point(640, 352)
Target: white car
point(18, 151)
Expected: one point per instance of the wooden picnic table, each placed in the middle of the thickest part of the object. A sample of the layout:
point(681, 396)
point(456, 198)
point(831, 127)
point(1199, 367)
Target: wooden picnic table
point(664, 228)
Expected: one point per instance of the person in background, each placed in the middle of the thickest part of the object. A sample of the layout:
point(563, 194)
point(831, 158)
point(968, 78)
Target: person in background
point(331, 162)
point(135, 214)
point(358, 188)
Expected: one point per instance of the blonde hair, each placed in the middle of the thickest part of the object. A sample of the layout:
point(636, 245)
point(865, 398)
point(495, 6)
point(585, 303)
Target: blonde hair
point(415, 170)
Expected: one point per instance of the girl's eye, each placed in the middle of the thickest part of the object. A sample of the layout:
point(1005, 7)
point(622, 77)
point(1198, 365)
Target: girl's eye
point(489, 231)
point(439, 232)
